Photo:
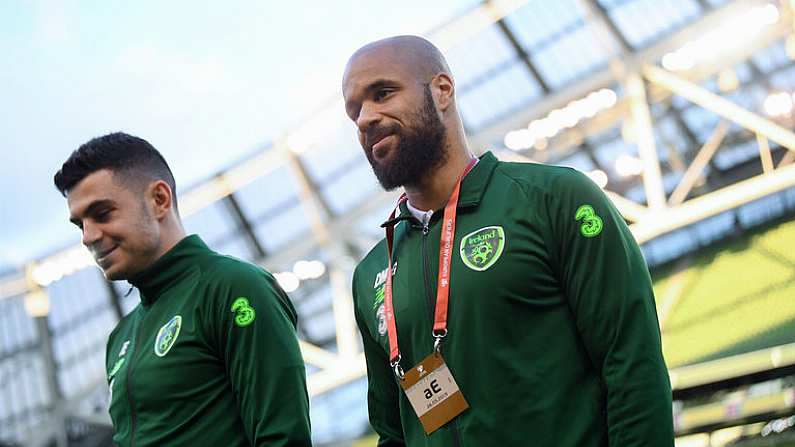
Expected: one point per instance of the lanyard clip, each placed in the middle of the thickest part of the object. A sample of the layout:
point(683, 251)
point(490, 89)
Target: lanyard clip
point(437, 340)
point(397, 368)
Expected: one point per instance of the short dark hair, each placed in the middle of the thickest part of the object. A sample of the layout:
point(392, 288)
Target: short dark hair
point(131, 158)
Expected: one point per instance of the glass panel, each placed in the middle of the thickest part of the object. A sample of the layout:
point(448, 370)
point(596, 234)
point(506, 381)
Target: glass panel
point(497, 97)
point(474, 57)
point(571, 56)
point(644, 21)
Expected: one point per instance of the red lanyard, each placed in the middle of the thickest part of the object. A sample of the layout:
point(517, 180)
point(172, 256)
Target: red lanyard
point(443, 282)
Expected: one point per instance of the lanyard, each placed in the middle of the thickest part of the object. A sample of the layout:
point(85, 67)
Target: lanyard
point(443, 282)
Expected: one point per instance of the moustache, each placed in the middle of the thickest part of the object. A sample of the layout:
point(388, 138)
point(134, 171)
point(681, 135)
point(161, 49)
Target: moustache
point(377, 133)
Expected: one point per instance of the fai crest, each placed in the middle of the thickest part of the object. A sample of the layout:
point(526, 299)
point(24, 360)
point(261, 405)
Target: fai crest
point(481, 248)
point(167, 335)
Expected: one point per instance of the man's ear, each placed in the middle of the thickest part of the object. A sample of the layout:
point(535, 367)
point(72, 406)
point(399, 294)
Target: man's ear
point(161, 198)
point(443, 89)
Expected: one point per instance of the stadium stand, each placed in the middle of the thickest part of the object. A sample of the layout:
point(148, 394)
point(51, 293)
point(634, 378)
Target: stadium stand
point(721, 289)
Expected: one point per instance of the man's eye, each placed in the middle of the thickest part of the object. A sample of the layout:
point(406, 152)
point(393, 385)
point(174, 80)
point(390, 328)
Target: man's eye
point(102, 216)
point(381, 94)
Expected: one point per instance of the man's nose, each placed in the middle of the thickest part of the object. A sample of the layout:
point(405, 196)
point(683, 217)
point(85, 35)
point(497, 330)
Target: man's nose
point(91, 234)
point(368, 116)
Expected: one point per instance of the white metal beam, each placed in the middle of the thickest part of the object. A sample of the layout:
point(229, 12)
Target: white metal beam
point(644, 135)
point(485, 138)
point(342, 306)
point(312, 203)
point(720, 105)
point(473, 22)
point(695, 169)
point(632, 211)
point(340, 374)
point(764, 153)
point(317, 356)
point(713, 203)
point(788, 158)
point(340, 263)
point(339, 225)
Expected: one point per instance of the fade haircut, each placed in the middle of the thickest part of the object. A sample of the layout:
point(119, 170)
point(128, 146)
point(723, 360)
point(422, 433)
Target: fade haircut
point(132, 160)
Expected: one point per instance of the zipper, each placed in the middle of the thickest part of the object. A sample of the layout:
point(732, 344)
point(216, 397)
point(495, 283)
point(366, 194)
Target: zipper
point(455, 433)
point(130, 398)
point(426, 271)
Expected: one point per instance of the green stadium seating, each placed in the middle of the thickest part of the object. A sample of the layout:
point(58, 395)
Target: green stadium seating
point(732, 298)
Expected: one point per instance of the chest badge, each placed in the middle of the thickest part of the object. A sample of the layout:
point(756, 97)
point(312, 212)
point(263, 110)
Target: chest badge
point(167, 335)
point(481, 248)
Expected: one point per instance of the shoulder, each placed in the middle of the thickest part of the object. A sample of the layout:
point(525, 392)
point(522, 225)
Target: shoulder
point(552, 181)
point(371, 265)
point(222, 269)
point(225, 277)
point(121, 332)
point(123, 324)
point(536, 177)
point(231, 282)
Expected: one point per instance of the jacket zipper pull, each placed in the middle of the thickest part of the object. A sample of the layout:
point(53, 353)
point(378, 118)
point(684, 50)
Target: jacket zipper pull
point(425, 229)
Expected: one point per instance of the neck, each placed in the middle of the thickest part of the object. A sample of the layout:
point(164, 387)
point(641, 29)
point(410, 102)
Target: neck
point(435, 189)
point(170, 235)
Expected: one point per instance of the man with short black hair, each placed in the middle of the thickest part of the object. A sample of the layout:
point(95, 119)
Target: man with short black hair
point(509, 304)
point(210, 355)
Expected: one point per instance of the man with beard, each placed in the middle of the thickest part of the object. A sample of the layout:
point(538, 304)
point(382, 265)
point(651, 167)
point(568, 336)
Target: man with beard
point(509, 304)
point(209, 357)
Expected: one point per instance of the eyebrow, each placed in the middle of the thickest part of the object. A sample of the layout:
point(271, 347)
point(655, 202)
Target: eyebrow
point(92, 209)
point(375, 85)
point(378, 83)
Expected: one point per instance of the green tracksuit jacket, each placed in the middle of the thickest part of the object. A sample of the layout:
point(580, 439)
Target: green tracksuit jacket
point(553, 334)
point(208, 358)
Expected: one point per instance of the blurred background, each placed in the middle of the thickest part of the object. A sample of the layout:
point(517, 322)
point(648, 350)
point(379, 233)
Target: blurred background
point(681, 110)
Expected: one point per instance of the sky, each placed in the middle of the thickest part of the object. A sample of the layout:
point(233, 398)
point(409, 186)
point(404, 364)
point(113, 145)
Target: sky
point(207, 83)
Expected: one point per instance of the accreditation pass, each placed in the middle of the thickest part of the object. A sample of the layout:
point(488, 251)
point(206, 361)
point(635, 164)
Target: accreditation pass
point(433, 393)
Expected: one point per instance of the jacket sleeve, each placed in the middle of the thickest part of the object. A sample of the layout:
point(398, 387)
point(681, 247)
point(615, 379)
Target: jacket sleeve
point(383, 398)
point(607, 284)
point(256, 339)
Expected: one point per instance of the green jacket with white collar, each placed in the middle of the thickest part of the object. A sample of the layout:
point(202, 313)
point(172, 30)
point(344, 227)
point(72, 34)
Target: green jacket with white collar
point(553, 334)
point(208, 358)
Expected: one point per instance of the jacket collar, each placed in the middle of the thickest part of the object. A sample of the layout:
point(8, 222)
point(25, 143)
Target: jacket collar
point(168, 269)
point(472, 188)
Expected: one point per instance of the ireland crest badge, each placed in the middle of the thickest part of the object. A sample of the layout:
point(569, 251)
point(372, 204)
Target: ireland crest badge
point(481, 248)
point(167, 335)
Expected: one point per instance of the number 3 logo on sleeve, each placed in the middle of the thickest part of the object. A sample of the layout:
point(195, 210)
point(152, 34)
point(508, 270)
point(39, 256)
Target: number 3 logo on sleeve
point(591, 222)
point(244, 313)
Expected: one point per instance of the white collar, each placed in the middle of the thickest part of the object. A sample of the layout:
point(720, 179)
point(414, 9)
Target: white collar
point(422, 216)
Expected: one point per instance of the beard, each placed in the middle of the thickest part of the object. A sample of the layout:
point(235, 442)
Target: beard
point(420, 149)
